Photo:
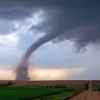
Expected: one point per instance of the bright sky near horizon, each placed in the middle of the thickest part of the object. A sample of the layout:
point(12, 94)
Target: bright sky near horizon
point(43, 73)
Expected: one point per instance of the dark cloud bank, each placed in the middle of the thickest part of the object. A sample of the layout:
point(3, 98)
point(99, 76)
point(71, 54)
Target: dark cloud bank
point(75, 20)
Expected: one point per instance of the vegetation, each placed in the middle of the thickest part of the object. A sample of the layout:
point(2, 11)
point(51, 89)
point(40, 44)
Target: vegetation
point(34, 92)
point(30, 92)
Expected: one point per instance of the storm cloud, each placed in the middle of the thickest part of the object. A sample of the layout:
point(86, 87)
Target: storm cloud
point(75, 20)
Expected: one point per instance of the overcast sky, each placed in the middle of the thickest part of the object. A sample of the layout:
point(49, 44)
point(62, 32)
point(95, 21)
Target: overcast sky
point(73, 24)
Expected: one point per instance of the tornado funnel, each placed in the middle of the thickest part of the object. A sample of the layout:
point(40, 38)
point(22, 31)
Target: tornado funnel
point(22, 70)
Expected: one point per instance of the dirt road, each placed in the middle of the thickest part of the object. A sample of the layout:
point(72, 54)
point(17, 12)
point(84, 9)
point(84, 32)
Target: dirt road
point(86, 95)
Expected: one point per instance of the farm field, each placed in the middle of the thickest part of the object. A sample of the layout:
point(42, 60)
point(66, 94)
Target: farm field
point(34, 92)
point(42, 90)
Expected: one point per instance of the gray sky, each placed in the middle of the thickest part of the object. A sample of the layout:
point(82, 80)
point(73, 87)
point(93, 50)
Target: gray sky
point(74, 24)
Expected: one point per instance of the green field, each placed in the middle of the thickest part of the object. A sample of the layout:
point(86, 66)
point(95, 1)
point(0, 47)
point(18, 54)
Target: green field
point(11, 91)
point(34, 92)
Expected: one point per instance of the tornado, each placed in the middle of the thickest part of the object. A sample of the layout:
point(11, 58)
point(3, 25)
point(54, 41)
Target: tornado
point(22, 69)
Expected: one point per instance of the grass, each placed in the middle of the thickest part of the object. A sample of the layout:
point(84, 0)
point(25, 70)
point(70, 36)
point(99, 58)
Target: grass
point(36, 92)
point(11, 92)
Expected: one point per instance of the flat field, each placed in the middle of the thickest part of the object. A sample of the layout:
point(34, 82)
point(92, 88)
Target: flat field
point(33, 92)
point(41, 90)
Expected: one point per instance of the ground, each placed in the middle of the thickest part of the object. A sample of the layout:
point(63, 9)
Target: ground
point(46, 90)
